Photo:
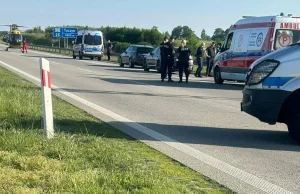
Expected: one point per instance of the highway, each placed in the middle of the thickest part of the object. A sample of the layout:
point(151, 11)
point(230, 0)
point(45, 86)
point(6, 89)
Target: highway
point(199, 124)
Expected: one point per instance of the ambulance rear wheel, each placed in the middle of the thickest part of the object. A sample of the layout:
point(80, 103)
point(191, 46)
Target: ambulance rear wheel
point(294, 127)
point(217, 76)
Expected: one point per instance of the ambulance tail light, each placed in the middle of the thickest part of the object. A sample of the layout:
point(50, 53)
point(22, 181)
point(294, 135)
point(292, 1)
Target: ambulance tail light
point(262, 71)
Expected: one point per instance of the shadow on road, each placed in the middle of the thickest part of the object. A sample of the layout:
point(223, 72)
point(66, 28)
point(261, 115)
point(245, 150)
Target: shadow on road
point(241, 138)
point(137, 70)
point(195, 135)
point(148, 94)
point(191, 84)
point(46, 57)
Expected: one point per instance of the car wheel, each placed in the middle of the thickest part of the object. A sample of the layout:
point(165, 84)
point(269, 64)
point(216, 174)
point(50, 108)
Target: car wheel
point(293, 124)
point(92, 58)
point(217, 76)
point(121, 64)
point(131, 65)
point(80, 56)
point(74, 56)
point(99, 58)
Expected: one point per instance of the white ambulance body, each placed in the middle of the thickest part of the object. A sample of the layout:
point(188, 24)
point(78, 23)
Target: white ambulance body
point(251, 38)
point(272, 89)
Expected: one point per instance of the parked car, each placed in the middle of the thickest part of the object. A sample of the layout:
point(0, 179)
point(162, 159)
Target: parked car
point(134, 55)
point(152, 60)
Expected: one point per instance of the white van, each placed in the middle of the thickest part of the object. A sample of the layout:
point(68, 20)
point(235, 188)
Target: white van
point(88, 44)
point(251, 38)
point(272, 89)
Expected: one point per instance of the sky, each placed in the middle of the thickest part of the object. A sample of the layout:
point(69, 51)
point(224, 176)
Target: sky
point(165, 14)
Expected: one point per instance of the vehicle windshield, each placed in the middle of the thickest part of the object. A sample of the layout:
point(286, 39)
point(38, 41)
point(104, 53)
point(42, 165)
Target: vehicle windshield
point(79, 39)
point(144, 50)
point(154, 50)
point(92, 40)
point(285, 38)
point(15, 37)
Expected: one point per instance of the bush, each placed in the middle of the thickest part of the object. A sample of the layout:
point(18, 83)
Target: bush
point(37, 39)
point(120, 47)
point(146, 43)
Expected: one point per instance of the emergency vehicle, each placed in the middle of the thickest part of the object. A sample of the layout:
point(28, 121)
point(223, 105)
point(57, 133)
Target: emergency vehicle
point(88, 44)
point(272, 89)
point(251, 38)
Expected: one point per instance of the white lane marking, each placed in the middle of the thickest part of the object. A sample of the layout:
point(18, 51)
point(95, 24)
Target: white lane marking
point(85, 70)
point(209, 160)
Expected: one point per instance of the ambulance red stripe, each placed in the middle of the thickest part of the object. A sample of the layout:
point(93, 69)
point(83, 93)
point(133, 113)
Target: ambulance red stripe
point(255, 25)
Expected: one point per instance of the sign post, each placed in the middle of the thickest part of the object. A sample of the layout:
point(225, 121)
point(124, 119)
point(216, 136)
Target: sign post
point(46, 98)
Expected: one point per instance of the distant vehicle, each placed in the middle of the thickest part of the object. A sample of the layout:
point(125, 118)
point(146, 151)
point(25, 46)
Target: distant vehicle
point(152, 60)
point(88, 44)
point(14, 37)
point(134, 55)
point(251, 38)
point(272, 89)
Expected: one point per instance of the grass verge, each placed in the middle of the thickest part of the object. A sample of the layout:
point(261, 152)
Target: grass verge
point(86, 156)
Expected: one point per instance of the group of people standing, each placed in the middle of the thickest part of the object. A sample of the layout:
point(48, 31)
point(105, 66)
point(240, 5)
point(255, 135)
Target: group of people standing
point(167, 59)
point(167, 53)
point(209, 53)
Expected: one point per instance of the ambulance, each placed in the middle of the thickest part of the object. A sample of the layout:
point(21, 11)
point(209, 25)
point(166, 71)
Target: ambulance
point(251, 38)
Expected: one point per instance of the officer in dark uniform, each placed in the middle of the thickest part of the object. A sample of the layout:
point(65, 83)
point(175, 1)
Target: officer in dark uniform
point(169, 57)
point(163, 58)
point(201, 52)
point(211, 53)
point(183, 61)
point(109, 48)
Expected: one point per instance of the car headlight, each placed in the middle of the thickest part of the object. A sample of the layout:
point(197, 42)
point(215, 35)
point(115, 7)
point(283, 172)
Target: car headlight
point(261, 71)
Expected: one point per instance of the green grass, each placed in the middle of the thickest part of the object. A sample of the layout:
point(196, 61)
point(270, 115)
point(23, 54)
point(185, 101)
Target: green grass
point(85, 156)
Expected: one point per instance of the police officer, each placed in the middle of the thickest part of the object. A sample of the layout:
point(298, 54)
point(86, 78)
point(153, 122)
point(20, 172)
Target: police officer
point(109, 49)
point(169, 57)
point(163, 58)
point(211, 53)
point(183, 61)
point(201, 52)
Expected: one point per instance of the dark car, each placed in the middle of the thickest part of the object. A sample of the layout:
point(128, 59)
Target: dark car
point(152, 60)
point(134, 55)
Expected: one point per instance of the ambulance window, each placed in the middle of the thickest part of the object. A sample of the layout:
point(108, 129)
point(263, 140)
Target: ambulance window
point(228, 42)
point(285, 38)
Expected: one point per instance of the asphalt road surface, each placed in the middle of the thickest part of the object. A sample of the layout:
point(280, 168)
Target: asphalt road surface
point(199, 124)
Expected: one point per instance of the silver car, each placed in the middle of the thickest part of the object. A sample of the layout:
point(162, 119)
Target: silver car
point(152, 60)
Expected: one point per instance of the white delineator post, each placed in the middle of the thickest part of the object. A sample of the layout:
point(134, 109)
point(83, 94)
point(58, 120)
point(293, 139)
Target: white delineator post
point(46, 98)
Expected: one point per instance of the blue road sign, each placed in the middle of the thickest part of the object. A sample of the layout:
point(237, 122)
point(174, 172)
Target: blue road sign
point(59, 32)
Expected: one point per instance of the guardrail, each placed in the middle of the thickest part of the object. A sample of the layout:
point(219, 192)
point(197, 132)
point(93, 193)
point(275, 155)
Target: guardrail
point(68, 51)
point(65, 51)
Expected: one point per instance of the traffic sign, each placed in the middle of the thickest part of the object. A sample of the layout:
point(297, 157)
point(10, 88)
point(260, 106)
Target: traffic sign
point(59, 32)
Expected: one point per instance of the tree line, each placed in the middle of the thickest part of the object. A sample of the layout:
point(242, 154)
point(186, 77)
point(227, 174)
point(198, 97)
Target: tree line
point(122, 37)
